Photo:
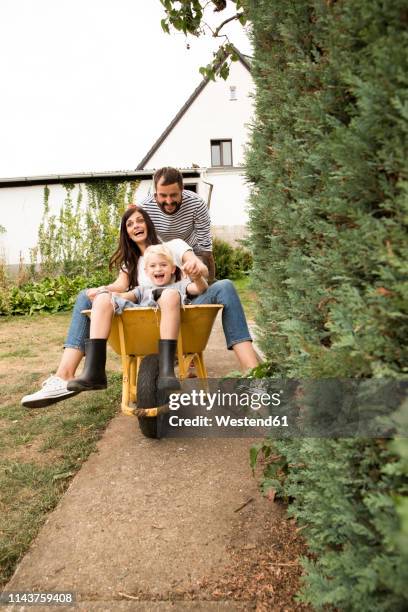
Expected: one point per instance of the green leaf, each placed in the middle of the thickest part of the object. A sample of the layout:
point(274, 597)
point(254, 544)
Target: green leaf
point(243, 19)
point(165, 26)
point(224, 71)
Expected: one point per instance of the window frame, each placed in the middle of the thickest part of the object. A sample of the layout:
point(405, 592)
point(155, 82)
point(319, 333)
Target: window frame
point(218, 142)
point(233, 93)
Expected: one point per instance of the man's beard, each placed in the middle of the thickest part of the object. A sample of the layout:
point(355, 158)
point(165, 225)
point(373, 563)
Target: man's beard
point(173, 212)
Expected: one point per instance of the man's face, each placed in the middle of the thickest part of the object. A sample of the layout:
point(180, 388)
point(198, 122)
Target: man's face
point(168, 197)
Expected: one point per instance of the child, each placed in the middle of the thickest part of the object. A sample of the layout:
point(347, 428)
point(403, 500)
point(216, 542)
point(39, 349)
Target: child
point(165, 293)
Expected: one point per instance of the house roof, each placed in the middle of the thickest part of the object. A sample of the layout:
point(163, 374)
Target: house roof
point(90, 177)
point(245, 61)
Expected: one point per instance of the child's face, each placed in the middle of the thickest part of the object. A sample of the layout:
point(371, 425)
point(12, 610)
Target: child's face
point(159, 270)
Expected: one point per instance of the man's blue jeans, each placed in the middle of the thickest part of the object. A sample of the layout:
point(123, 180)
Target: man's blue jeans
point(233, 316)
point(222, 292)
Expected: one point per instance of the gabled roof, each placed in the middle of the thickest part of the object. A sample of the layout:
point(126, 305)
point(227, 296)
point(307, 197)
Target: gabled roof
point(244, 59)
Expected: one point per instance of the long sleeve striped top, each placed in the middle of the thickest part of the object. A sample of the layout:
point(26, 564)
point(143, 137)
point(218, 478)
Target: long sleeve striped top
point(191, 222)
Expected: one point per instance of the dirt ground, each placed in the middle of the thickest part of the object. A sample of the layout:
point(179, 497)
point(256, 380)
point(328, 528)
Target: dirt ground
point(171, 524)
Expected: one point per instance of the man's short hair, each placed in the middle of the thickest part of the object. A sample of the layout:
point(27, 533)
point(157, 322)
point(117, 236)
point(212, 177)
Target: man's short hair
point(168, 176)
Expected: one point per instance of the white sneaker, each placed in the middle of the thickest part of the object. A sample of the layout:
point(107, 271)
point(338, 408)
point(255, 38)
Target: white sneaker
point(53, 390)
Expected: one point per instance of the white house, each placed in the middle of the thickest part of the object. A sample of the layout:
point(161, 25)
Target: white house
point(210, 133)
point(206, 140)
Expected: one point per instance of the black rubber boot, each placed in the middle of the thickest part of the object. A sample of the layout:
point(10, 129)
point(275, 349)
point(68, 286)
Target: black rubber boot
point(93, 375)
point(167, 380)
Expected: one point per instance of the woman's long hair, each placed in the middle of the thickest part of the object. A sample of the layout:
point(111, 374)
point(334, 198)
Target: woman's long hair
point(126, 256)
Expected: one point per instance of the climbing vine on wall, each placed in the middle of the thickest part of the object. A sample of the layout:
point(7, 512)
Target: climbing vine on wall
point(80, 239)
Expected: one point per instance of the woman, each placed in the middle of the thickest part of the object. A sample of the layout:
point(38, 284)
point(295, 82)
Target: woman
point(165, 292)
point(137, 233)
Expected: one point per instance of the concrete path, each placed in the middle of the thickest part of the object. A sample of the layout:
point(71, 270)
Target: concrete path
point(145, 521)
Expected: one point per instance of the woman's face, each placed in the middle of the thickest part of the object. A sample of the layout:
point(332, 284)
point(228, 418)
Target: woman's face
point(136, 228)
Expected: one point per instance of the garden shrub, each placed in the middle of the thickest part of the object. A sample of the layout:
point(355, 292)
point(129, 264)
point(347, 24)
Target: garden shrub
point(328, 220)
point(47, 295)
point(230, 262)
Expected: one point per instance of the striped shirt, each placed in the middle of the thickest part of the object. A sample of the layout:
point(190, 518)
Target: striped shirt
point(191, 222)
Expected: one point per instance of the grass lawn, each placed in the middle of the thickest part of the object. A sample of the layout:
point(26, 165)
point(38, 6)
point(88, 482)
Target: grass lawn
point(41, 450)
point(247, 296)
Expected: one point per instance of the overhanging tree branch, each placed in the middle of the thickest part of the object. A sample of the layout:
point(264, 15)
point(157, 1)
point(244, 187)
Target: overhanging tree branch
point(238, 17)
point(188, 18)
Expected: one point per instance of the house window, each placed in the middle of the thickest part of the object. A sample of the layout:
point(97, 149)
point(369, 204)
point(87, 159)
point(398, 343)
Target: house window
point(233, 92)
point(221, 152)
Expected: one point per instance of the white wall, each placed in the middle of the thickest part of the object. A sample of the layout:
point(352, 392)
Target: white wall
point(21, 211)
point(229, 197)
point(211, 116)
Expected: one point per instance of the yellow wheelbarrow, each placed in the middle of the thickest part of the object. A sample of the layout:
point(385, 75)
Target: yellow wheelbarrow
point(135, 336)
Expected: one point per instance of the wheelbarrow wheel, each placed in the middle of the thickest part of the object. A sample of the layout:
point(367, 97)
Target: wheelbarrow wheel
point(149, 397)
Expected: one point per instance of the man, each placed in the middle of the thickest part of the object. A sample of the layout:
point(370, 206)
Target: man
point(179, 213)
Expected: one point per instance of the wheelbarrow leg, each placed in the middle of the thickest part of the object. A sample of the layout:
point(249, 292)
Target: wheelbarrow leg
point(126, 385)
point(127, 369)
point(199, 364)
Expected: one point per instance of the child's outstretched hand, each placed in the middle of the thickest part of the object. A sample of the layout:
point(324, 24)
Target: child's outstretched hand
point(191, 269)
point(126, 295)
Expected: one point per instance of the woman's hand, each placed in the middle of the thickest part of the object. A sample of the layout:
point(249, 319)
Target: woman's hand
point(93, 292)
point(120, 284)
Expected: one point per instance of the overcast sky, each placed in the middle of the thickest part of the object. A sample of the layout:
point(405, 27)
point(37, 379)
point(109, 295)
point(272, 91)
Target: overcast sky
point(89, 85)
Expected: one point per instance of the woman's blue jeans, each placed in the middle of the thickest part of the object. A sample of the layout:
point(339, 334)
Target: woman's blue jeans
point(222, 292)
point(80, 324)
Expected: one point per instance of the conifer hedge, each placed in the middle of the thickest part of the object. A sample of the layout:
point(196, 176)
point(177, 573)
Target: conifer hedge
point(329, 166)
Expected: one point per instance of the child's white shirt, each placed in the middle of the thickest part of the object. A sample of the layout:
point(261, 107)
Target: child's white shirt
point(177, 247)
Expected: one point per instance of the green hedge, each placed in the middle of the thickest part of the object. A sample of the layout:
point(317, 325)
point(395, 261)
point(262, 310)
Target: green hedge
point(329, 165)
point(329, 161)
